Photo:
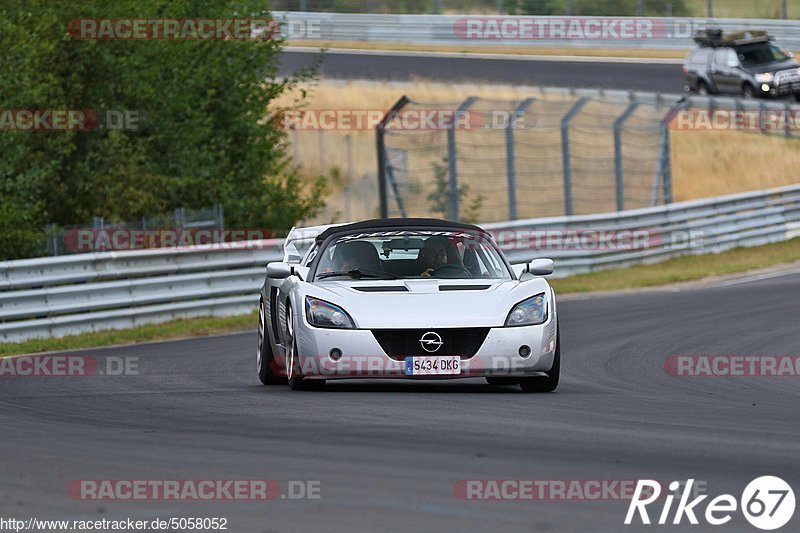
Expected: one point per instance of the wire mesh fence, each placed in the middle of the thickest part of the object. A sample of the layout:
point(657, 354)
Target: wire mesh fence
point(548, 155)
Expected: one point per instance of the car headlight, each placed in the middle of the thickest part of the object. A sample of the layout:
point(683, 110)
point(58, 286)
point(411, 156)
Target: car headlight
point(529, 312)
point(764, 78)
point(327, 315)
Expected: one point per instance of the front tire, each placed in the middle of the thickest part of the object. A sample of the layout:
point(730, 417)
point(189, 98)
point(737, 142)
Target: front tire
point(293, 373)
point(748, 91)
point(265, 358)
point(547, 383)
point(702, 89)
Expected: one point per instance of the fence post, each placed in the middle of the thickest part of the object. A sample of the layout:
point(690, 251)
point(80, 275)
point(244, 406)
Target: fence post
point(52, 242)
point(663, 170)
point(380, 142)
point(220, 216)
point(295, 145)
point(618, 171)
point(511, 169)
point(395, 189)
point(349, 139)
point(179, 217)
point(567, 168)
point(451, 157)
point(788, 122)
point(667, 180)
point(321, 134)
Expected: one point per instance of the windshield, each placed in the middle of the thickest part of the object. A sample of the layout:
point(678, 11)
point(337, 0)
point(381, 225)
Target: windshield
point(752, 56)
point(409, 254)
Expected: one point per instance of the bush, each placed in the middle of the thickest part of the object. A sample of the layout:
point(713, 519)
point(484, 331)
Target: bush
point(201, 137)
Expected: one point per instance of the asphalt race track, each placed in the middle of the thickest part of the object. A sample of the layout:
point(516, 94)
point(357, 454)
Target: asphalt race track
point(640, 76)
point(388, 454)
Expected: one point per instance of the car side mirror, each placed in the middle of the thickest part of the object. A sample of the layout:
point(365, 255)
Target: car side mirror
point(541, 267)
point(519, 269)
point(537, 267)
point(302, 272)
point(278, 270)
point(733, 63)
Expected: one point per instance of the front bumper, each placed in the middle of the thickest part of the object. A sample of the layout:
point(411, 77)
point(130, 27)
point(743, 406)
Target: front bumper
point(777, 91)
point(363, 357)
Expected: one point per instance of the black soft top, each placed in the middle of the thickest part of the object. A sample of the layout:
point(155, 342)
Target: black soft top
point(392, 223)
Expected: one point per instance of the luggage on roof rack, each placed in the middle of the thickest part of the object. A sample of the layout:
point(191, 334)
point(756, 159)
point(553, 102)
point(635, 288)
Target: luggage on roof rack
point(715, 37)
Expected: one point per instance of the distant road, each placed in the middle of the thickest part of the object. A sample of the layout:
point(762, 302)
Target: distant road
point(641, 75)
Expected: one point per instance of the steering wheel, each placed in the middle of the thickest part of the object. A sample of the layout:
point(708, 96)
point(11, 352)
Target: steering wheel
point(454, 269)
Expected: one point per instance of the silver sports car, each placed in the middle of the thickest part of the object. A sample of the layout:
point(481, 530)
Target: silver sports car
point(408, 299)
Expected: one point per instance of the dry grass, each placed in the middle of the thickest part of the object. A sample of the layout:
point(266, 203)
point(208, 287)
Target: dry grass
point(711, 163)
point(704, 163)
point(575, 51)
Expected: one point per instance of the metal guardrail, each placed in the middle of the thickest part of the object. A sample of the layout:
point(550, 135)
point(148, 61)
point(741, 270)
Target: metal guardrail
point(656, 33)
point(65, 295)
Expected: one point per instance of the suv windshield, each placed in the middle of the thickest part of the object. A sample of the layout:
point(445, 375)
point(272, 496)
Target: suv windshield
point(411, 254)
point(751, 56)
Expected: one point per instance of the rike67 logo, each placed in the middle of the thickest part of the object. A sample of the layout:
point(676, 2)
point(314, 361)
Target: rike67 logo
point(767, 503)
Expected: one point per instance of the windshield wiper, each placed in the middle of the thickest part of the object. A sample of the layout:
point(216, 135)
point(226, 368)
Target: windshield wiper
point(358, 273)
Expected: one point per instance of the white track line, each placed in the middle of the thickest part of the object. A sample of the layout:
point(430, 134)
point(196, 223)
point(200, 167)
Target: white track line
point(474, 55)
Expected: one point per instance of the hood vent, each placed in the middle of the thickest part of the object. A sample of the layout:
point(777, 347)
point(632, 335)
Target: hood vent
point(463, 287)
point(386, 288)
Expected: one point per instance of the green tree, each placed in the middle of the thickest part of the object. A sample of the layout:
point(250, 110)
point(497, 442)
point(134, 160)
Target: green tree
point(201, 136)
point(442, 193)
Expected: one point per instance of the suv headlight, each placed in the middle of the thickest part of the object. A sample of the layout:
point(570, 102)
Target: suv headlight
point(324, 314)
point(529, 312)
point(764, 78)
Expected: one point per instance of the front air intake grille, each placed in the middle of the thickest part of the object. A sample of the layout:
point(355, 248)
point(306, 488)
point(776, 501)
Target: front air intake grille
point(401, 343)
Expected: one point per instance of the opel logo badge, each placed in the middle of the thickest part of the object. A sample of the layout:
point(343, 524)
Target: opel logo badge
point(431, 341)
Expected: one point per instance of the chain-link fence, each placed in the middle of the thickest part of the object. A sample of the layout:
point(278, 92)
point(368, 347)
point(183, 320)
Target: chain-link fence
point(557, 154)
point(650, 8)
point(152, 231)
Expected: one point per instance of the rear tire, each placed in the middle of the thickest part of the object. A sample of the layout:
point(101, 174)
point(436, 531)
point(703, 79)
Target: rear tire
point(547, 383)
point(264, 356)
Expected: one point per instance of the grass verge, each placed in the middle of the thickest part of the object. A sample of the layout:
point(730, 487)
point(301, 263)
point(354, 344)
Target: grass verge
point(175, 329)
point(547, 51)
point(685, 268)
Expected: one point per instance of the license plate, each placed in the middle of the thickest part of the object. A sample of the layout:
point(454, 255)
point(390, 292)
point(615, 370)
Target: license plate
point(433, 365)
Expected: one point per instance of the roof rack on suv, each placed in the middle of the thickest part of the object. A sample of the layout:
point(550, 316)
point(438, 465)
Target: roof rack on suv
point(714, 37)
